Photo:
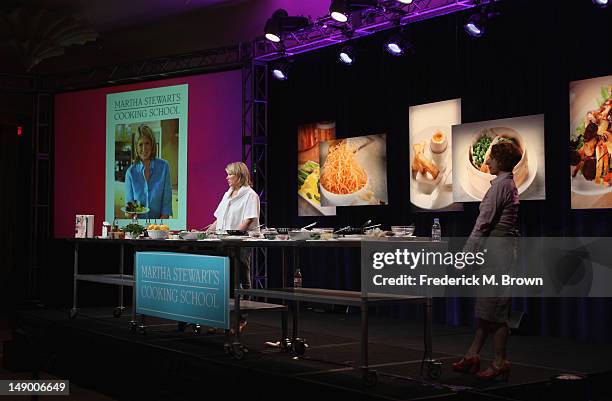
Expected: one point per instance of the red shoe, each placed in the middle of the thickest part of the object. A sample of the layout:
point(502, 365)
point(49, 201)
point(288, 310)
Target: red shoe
point(471, 365)
point(492, 372)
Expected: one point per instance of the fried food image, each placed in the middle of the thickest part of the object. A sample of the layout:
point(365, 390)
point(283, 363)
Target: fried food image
point(421, 163)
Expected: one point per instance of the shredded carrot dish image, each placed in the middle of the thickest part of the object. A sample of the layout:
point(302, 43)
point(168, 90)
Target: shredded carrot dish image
point(342, 174)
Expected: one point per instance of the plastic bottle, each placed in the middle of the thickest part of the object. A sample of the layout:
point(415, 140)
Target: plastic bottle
point(106, 229)
point(436, 231)
point(297, 279)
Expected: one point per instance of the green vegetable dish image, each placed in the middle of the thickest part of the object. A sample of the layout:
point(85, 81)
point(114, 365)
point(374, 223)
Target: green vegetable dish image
point(479, 150)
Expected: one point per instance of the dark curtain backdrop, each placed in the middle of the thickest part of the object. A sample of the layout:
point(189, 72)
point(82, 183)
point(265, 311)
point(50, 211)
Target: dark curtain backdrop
point(522, 66)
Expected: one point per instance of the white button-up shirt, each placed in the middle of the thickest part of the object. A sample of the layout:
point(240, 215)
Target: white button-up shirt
point(231, 212)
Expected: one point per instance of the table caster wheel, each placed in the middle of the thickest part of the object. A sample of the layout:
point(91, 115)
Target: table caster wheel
point(370, 378)
point(132, 327)
point(73, 313)
point(117, 312)
point(197, 328)
point(238, 351)
point(434, 370)
point(285, 345)
point(299, 346)
point(142, 329)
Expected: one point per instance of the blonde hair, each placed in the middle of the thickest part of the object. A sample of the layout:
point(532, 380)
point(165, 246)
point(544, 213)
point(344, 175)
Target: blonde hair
point(240, 170)
point(146, 131)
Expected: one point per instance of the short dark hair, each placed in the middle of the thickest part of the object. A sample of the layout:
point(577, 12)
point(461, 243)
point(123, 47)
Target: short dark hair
point(507, 155)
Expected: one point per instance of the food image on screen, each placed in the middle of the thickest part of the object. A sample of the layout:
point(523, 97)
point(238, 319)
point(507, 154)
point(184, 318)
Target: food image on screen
point(431, 155)
point(472, 145)
point(342, 173)
point(591, 143)
point(308, 138)
point(353, 171)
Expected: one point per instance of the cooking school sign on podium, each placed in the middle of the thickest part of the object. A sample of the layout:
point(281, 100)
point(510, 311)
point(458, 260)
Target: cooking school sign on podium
point(183, 287)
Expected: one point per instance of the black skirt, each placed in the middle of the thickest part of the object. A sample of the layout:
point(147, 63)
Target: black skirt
point(496, 309)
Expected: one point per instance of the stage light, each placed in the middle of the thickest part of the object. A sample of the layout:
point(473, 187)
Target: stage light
point(341, 9)
point(405, 1)
point(601, 3)
point(395, 45)
point(475, 26)
point(280, 71)
point(347, 55)
point(272, 28)
point(281, 22)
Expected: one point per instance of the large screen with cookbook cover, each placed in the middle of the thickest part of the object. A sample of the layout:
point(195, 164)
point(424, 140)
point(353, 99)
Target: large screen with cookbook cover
point(471, 151)
point(591, 143)
point(189, 127)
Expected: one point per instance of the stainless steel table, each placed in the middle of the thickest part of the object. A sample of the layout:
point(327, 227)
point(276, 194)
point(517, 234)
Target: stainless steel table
point(286, 294)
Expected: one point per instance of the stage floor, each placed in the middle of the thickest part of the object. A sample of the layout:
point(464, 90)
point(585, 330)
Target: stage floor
point(97, 351)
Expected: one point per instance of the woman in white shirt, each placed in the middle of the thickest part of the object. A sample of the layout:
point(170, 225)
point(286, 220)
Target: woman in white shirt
point(238, 210)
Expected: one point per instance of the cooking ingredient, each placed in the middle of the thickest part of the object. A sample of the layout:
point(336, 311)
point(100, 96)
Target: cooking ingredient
point(479, 150)
point(421, 163)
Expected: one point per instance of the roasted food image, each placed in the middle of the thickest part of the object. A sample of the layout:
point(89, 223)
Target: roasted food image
point(591, 144)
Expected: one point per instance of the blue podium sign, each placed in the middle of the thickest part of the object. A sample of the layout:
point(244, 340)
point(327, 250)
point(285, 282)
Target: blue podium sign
point(183, 287)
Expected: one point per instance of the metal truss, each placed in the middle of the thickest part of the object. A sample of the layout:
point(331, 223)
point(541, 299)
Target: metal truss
point(223, 58)
point(41, 187)
point(10, 83)
point(44, 87)
point(388, 14)
point(255, 147)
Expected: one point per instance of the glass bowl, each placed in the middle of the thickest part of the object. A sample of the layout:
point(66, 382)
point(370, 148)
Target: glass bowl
point(403, 231)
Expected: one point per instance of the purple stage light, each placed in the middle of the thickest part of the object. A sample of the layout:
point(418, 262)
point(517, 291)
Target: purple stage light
point(279, 74)
point(347, 55)
point(338, 16)
point(396, 45)
point(328, 32)
point(601, 3)
point(473, 29)
point(273, 38)
point(394, 49)
point(281, 22)
point(475, 26)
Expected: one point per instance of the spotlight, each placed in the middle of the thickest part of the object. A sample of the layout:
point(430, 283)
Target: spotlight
point(340, 9)
point(281, 22)
point(347, 55)
point(475, 26)
point(396, 45)
point(280, 71)
point(405, 1)
point(601, 3)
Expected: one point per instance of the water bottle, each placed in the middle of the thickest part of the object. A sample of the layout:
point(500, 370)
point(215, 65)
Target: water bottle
point(436, 231)
point(297, 279)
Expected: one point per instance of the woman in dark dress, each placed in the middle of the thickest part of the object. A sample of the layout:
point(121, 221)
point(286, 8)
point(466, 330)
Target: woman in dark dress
point(498, 218)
